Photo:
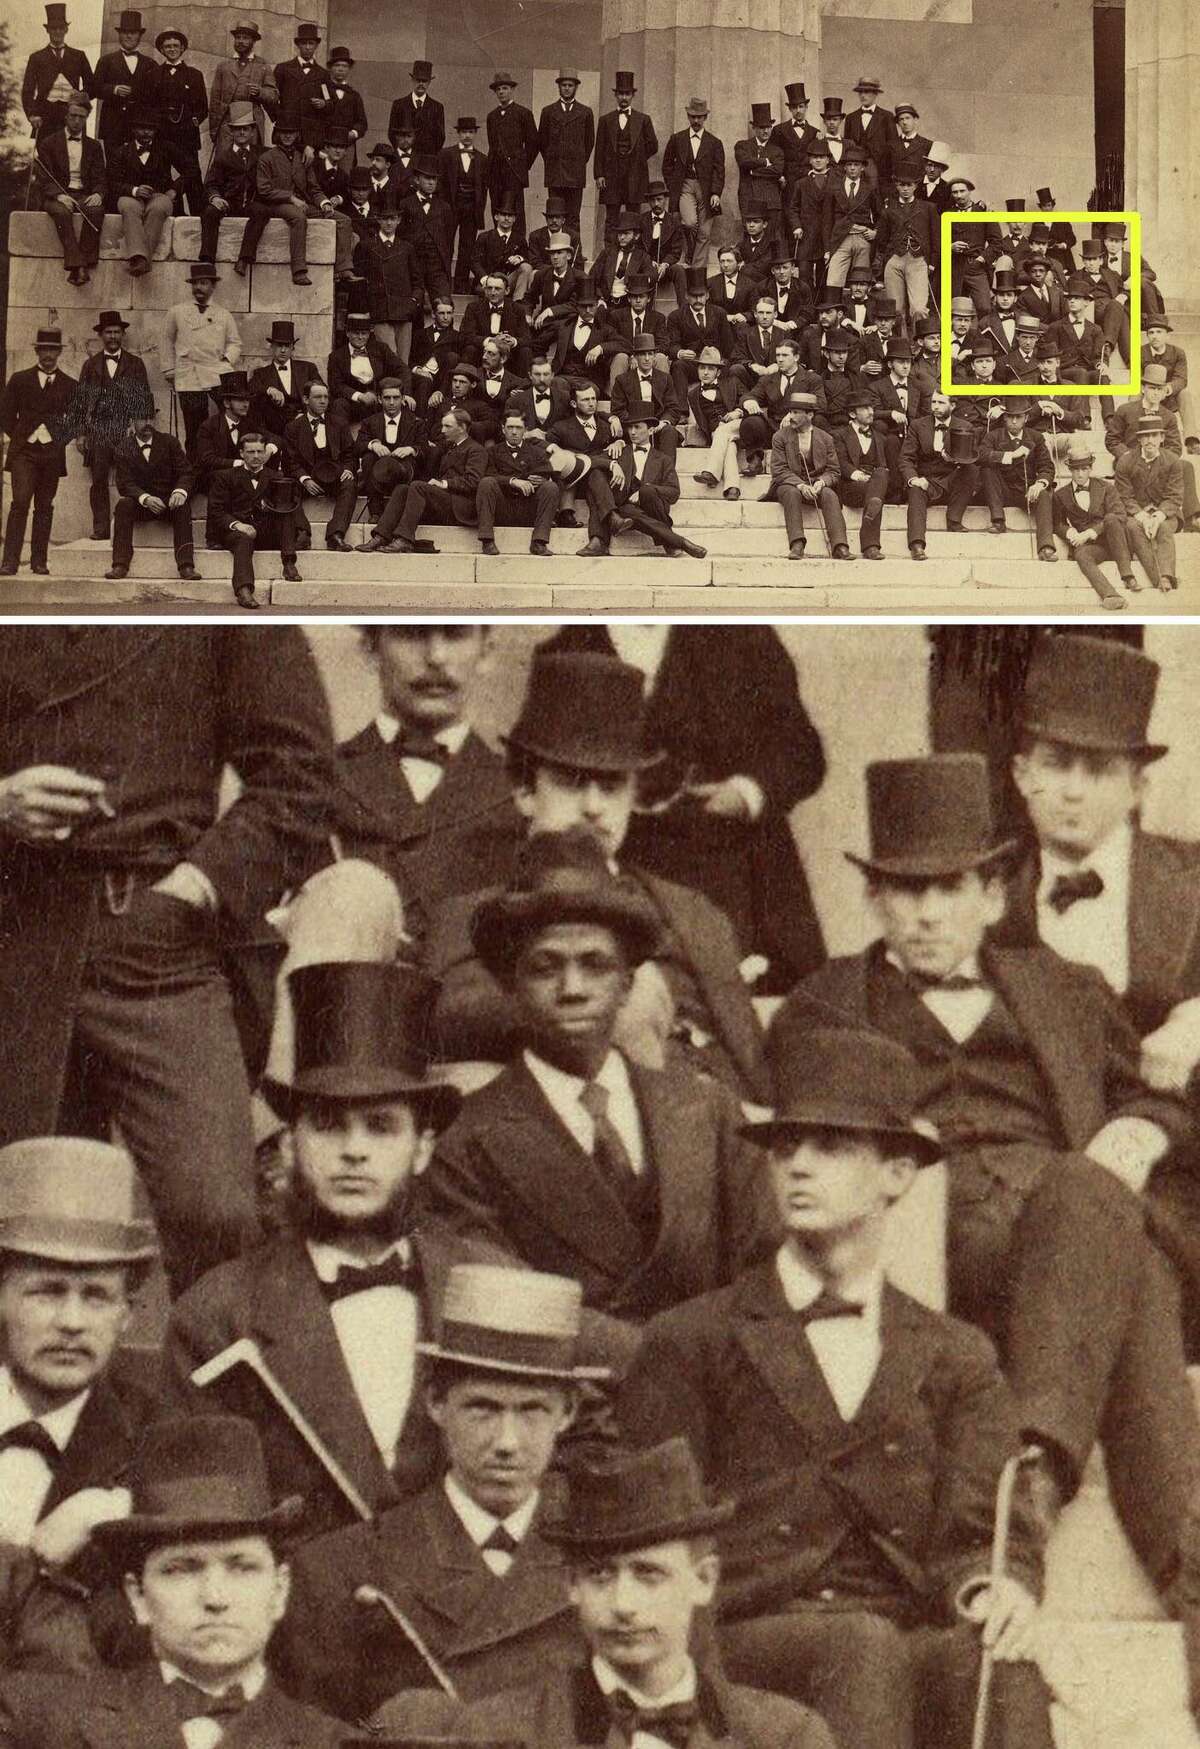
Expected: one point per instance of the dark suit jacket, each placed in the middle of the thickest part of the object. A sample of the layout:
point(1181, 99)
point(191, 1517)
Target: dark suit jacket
point(488, 1632)
point(809, 208)
point(564, 343)
point(301, 455)
point(683, 332)
point(297, 89)
point(910, 155)
point(567, 1707)
point(664, 402)
point(428, 123)
point(270, 413)
point(916, 1468)
point(899, 225)
point(769, 393)
point(234, 178)
point(52, 172)
point(513, 146)
point(410, 433)
point(492, 253)
point(1157, 484)
point(794, 146)
point(813, 354)
point(431, 234)
point(214, 448)
point(384, 363)
point(103, 406)
point(509, 1173)
point(878, 138)
point(128, 1709)
point(1049, 305)
point(789, 466)
point(671, 242)
point(1103, 502)
point(393, 278)
point(280, 177)
point(887, 402)
point(708, 167)
point(167, 471)
point(25, 404)
point(709, 414)
point(467, 193)
point(760, 175)
point(658, 471)
point(42, 69)
point(115, 111)
point(622, 157)
point(918, 456)
point(184, 104)
point(1078, 353)
point(475, 327)
point(850, 453)
point(844, 211)
point(566, 140)
point(604, 268)
point(231, 498)
point(521, 401)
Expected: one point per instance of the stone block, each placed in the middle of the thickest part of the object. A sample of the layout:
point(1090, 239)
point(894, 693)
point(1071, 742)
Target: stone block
point(408, 597)
point(272, 292)
point(272, 248)
point(314, 337)
point(168, 284)
point(764, 575)
point(577, 598)
point(40, 283)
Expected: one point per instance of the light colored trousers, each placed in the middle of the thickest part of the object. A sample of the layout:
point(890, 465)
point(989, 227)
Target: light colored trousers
point(721, 454)
point(697, 216)
point(143, 221)
point(906, 280)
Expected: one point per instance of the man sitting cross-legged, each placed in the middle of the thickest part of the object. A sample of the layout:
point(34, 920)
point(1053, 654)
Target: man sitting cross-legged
point(200, 1558)
point(638, 1540)
point(465, 1559)
point(154, 479)
point(1029, 1069)
point(862, 1435)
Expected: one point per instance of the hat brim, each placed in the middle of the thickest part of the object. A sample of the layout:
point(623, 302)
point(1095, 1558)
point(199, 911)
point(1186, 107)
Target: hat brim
point(501, 923)
point(920, 1138)
point(97, 1256)
point(120, 1535)
point(437, 1101)
point(1093, 740)
point(519, 1369)
point(591, 759)
point(563, 1534)
point(930, 866)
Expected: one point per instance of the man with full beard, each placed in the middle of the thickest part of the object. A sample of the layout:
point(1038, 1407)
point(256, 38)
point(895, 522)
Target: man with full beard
point(339, 1302)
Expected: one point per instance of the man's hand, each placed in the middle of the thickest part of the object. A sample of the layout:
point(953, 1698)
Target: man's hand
point(189, 884)
point(752, 406)
point(686, 352)
point(345, 475)
point(871, 367)
point(646, 1017)
point(524, 487)
point(921, 481)
point(1129, 1148)
point(440, 483)
point(1170, 1054)
point(730, 798)
point(93, 200)
point(614, 425)
point(144, 191)
point(899, 417)
point(714, 203)
point(41, 803)
point(153, 503)
point(122, 90)
point(1076, 537)
point(593, 355)
point(177, 499)
point(243, 528)
point(1035, 491)
point(614, 450)
point(1008, 1616)
point(60, 1536)
point(311, 487)
point(859, 474)
point(436, 399)
point(68, 203)
point(222, 206)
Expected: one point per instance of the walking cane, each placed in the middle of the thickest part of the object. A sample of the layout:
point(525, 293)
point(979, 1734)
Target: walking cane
point(46, 171)
point(33, 163)
point(371, 1597)
point(817, 507)
point(996, 1571)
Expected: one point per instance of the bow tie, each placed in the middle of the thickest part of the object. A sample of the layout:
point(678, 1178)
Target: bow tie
point(674, 1724)
point(394, 1271)
point(828, 1305)
point(1087, 884)
point(920, 982)
point(189, 1702)
point(501, 1542)
point(414, 745)
point(31, 1436)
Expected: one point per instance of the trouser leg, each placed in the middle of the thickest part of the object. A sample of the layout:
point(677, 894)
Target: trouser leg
point(194, 406)
point(158, 211)
point(24, 476)
point(723, 453)
point(946, 1664)
point(256, 224)
point(851, 252)
point(80, 240)
point(125, 515)
point(1116, 541)
point(182, 535)
point(295, 217)
point(210, 228)
point(993, 493)
point(868, 496)
point(793, 513)
point(343, 245)
point(1088, 559)
point(100, 464)
point(964, 484)
point(918, 507)
point(597, 490)
point(345, 496)
point(852, 1667)
point(45, 486)
point(1164, 547)
point(488, 504)
point(1042, 511)
point(242, 548)
point(831, 514)
point(895, 285)
point(133, 224)
point(1141, 549)
point(545, 505)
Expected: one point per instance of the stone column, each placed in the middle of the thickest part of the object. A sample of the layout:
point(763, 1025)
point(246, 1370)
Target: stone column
point(1162, 140)
point(733, 52)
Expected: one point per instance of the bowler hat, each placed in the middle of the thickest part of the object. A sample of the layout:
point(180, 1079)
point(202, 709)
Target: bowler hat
point(643, 343)
point(465, 124)
point(336, 139)
point(929, 818)
point(1016, 205)
point(462, 368)
point(499, 79)
point(832, 106)
point(360, 177)
point(795, 93)
point(339, 54)
point(1155, 375)
point(287, 120)
point(657, 186)
point(1048, 346)
point(1039, 232)
point(712, 355)
point(696, 106)
point(130, 20)
point(760, 115)
point(503, 1320)
point(926, 327)
point(202, 270)
point(73, 1200)
point(624, 84)
point(635, 1500)
point(114, 319)
point(195, 1477)
point(307, 33)
point(818, 148)
point(49, 337)
point(628, 220)
point(884, 307)
point(1044, 196)
point(383, 149)
point(425, 165)
point(143, 118)
point(240, 115)
point(283, 332)
point(555, 204)
point(845, 1078)
point(781, 255)
point(962, 306)
point(861, 396)
point(233, 385)
point(1091, 692)
point(422, 70)
point(1015, 407)
point(1155, 320)
point(166, 35)
point(563, 877)
point(364, 1030)
point(586, 711)
point(1080, 286)
point(983, 346)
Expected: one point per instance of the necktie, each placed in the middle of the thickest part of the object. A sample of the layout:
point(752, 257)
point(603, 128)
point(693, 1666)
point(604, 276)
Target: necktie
point(674, 1724)
point(501, 1542)
point(31, 1436)
point(637, 323)
point(1087, 884)
point(394, 1271)
point(608, 1150)
point(920, 982)
point(233, 435)
point(189, 1702)
point(828, 1305)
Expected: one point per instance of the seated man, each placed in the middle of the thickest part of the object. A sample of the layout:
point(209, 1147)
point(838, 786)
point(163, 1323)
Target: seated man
point(764, 406)
point(357, 367)
point(648, 393)
point(69, 184)
point(839, 383)
point(231, 184)
point(1089, 517)
point(496, 385)
point(517, 485)
point(638, 1542)
point(583, 344)
point(545, 400)
point(815, 338)
point(636, 316)
point(754, 353)
point(277, 388)
point(251, 509)
point(620, 260)
point(286, 188)
point(574, 1159)
point(863, 477)
point(436, 349)
point(390, 447)
point(938, 463)
point(342, 1296)
point(1081, 341)
point(862, 1434)
point(448, 498)
point(1157, 350)
point(696, 323)
point(154, 479)
point(575, 754)
point(201, 1564)
point(804, 470)
point(1120, 434)
point(664, 240)
point(218, 439)
point(494, 315)
point(1028, 1069)
point(465, 1559)
point(319, 452)
point(731, 289)
point(553, 289)
point(73, 1258)
point(1017, 472)
point(501, 250)
point(1149, 483)
point(141, 182)
point(714, 422)
point(642, 485)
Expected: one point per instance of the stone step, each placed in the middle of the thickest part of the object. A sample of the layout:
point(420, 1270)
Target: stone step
point(1116, 1685)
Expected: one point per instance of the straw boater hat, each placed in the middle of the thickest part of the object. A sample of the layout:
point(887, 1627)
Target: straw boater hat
point(846, 1079)
point(1093, 693)
point(929, 818)
point(197, 1478)
point(364, 1031)
point(635, 1500)
point(518, 1321)
point(71, 1200)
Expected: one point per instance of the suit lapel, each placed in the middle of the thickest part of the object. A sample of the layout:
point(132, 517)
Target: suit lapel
point(130, 1710)
point(1060, 1041)
point(781, 1354)
point(674, 1146)
point(98, 1451)
point(1164, 918)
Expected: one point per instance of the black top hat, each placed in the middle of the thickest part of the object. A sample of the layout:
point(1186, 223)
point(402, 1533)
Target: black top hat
point(884, 307)
point(929, 818)
point(197, 1477)
point(563, 877)
point(130, 20)
point(1039, 233)
point(287, 120)
point(1091, 692)
point(637, 1499)
point(166, 35)
point(1080, 286)
point(1017, 205)
point(422, 70)
point(1044, 196)
point(336, 138)
point(1092, 249)
point(795, 93)
point(364, 1031)
point(899, 348)
point(586, 711)
point(200, 270)
point(840, 340)
point(233, 385)
point(109, 319)
point(340, 53)
point(283, 332)
point(983, 346)
point(585, 290)
point(1004, 280)
point(56, 12)
point(760, 115)
point(832, 106)
point(781, 255)
point(829, 301)
point(624, 84)
point(697, 279)
point(846, 1079)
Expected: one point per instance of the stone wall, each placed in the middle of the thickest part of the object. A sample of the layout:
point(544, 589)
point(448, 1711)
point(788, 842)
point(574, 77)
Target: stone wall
point(39, 295)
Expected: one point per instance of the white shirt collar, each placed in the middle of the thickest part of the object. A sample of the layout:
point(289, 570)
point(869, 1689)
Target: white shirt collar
point(609, 1682)
point(59, 1423)
point(327, 1258)
point(1110, 859)
point(967, 968)
point(452, 737)
point(251, 1682)
point(562, 1089)
point(479, 1523)
point(801, 1285)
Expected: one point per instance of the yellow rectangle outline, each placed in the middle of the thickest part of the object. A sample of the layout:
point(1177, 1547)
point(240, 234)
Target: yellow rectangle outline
point(1115, 390)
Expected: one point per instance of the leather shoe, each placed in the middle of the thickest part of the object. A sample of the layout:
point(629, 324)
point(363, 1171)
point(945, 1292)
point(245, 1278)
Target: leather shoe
point(595, 549)
point(732, 492)
point(842, 552)
point(41, 569)
point(619, 524)
point(301, 279)
point(693, 551)
point(1131, 583)
point(796, 550)
point(490, 548)
point(997, 527)
point(374, 545)
point(291, 572)
point(1113, 602)
point(241, 268)
point(872, 552)
point(917, 549)
point(244, 594)
point(337, 543)
point(707, 479)
point(540, 549)
point(567, 519)
point(400, 545)
point(303, 543)
point(9, 570)
point(1047, 555)
point(104, 534)
point(116, 573)
point(189, 573)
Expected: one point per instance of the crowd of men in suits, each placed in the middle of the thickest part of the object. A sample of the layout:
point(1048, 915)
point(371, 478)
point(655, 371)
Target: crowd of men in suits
point(812, 353)
point(531, 1370)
